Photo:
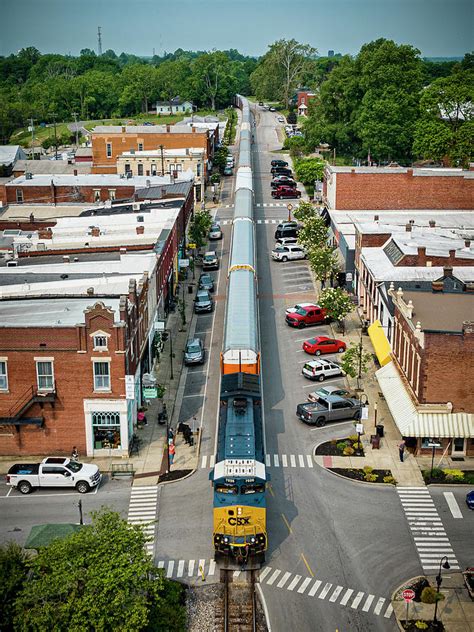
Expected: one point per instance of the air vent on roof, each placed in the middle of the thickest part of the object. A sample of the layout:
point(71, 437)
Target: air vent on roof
point(12, 264)
point(136, 206)
point(11, 232)
point(28, 175)
point(140, 218)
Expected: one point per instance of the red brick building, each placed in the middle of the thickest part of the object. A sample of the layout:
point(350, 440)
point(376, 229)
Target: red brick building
point(397, 188)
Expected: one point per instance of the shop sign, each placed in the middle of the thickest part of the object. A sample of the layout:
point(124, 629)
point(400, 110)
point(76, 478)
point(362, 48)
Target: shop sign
point(364, 413)
point(150, 392)
point(159, 325)
point(191, 246)
point(130, 387)
point(183, 263)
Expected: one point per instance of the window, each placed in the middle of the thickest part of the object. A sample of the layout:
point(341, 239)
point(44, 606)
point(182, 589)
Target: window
point(198, 169)
point(106, 429)
point(127, 168)
point(45, 375)
point(153, 169)
point(140, 169)
point(19, 196)
point(108, 150)
point(101, 376)
point(100, 342)
point(96, 195)
point(140, 146)
point(111, 194)
point(3, 376)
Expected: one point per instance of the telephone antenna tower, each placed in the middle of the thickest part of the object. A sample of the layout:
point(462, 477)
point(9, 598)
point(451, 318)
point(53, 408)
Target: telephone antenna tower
point(99, 41)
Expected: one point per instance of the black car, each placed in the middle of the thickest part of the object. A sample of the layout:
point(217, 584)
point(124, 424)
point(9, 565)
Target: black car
point(282, 171)
point(286, 229)
point(282, 180)
point(206, 282)
point(279, 163)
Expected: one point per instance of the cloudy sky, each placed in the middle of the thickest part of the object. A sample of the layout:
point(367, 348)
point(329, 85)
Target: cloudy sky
point(439, 28)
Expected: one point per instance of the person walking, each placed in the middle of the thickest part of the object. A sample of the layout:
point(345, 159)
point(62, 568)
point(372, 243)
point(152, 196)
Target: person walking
point(74, 454)
point(171, 452)
point(401, 449)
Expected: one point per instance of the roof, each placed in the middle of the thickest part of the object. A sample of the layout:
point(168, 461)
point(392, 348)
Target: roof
point(48, 312)
point(417, 172)
point(10, 153)
point(167, 153)
point(175, 101)
point(84, 151)
point(51, 167)
point(456, 220)
point(95, 180)
point(142, 129)
point(441, 311)
point(43, 534)
point(413, 422)
point(180, 189)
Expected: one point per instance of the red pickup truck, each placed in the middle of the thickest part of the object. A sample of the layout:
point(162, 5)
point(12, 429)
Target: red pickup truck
point(304, 316)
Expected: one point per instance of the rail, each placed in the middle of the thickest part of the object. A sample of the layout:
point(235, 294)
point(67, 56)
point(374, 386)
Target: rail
point(237, 609)
point(28, 396)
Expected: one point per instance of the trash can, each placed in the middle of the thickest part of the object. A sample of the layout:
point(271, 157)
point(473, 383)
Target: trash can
point(190, 289)
point(379, 430)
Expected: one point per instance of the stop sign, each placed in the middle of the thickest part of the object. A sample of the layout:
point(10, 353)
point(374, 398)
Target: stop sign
point(408, 594)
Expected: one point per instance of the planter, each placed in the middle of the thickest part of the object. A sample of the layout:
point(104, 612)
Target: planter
point(333, 448)
point(421, 625)
point(468, 576)
point(445, 477)
point(355, 474)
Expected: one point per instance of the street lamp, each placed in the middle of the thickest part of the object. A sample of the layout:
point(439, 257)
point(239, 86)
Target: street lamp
point(438, 583)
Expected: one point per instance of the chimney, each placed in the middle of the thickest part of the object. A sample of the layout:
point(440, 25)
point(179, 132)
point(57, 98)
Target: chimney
point(90, 291)
point(45, 233)
point(432, 223)
point(467, 244)
point(148, 183)
point(66, 259)
point(408, 228)
point(124, 129)
point(123, 250)
point(193, 130)
point(75, 172)
point(422, 255)
point(168, 128)
point(376, 218)
point(140, 230)
point(448, 270)
point(452, 256)
point(95, 232)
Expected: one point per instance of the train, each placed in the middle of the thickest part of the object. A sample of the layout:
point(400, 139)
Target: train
point(239, 476)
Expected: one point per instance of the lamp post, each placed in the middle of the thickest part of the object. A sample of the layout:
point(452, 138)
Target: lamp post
point(438, 583)
point(375, 414)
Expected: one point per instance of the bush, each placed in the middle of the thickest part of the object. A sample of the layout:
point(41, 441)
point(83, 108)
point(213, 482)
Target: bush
point(357, 445)
point(348, 451)
point(368, 469)
point(389, 479)
point(341, 445)
point(430, 595)
point(421, 625)
point(370, 478)
point(353, 438)
point(453, 475)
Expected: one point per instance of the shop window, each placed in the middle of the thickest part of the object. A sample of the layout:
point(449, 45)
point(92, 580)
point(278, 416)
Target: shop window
point(96, 195)
point(108, 150)
point(45, 375)
point(426, 442)
point(101, 376)
point(3, 376)
point(128, 168)
point(100, 343)
point(106, 430)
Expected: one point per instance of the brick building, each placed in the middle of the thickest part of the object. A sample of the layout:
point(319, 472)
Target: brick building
point(428, 385)
point(396, 188)
point(302, 102)
point(110, 141)
point(88, 188)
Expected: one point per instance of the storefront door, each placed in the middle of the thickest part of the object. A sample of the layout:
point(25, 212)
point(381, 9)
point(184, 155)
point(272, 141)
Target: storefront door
point(459, 447)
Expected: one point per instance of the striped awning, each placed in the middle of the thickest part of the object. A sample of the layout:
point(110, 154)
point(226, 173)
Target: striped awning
point(380, 343)
point(414, 423)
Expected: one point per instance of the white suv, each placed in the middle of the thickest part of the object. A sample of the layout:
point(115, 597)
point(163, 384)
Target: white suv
point(288, 253)
point(321, 369)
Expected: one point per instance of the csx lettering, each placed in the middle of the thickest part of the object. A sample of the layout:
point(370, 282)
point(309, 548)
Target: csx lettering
point(238, 521)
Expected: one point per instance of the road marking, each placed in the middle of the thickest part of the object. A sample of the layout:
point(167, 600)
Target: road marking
point(314, 588)
point(161, 564)
point(236, 574)
point(264, 573)
point(191, 568)
point(347, 596)
point(301, 460)
point(337, 591)
point(272, 579)
point(357, 599)
point(284, 579)
point(204, 461)
point(284, 460)
point(169, 572)
point(212, 567)
point(388, 612)
point(292, 460)
point(268, 461)
point(276, 461)
point(212, 460)
point(307, 565)
point(379, 604)
point(325, 590)
point(304, 585)
point(452, 504)
point(309, 458)
point(201, 566)
point(180, 570)
point(368, 603)
point(287, 523)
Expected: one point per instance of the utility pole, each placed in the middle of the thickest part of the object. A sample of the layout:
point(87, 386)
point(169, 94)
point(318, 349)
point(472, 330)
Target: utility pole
point(162, 160)
point(55, 137)
point(32, 137)
point(77, 130)
point(99, 41)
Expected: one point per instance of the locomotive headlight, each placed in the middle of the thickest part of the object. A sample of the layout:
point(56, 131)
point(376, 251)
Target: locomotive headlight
point(226, 540)
point(239, 511)
point(252, 540)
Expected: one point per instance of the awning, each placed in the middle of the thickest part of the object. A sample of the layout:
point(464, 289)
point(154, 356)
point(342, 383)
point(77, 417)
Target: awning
point(413, 422)
point(380, 343)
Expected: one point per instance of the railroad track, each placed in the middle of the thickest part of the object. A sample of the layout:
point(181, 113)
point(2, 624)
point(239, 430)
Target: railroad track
point(237, 610)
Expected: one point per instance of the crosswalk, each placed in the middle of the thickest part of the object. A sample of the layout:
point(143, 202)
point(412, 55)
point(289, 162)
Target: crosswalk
point(260, 205)
point(228, 222)
point(430, 537)
point(142, 511)
point(284, 580)
point(271, 460)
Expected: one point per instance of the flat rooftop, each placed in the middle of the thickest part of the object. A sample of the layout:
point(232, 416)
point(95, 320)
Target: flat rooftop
point(145, 129)
point(95, 180)
point(440, 311)
point(50, 312)
point(417, 171)
point(51, 167)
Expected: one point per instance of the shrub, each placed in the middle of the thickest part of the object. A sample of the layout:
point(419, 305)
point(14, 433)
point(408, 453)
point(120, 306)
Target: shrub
point(368, 469)
point(348, 451)
point(370, 478)
point(357, 445)
point(353, 438)
point(421, 625)
point(389, 479)
point(453, 475)
point(341, 445)
point(430, 595)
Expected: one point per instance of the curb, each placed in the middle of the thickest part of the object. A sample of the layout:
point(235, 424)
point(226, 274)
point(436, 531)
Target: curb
point(392, 600)
point(264, 606)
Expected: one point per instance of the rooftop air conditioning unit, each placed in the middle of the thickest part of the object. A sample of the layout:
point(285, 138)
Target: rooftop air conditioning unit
point(136, 206)
point(28, 175)
point(140, 218)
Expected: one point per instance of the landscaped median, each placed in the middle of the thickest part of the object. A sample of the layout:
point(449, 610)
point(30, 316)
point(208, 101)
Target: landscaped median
point(448, 476)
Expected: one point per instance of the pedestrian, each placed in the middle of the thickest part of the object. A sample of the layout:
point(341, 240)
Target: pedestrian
point(141, 418)
point(401, 449)
point(171, 452)
point(74, 454)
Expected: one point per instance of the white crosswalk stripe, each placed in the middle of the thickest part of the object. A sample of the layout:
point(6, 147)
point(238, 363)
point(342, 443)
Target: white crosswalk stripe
point(142, 511)
point(357, 599)
point(379, 605)
point(336, 592)
point(314, 588)
point(283, 580)
point(325, 590)
point(429, 535)
point(212, 460)
point(294, 582)
point(304, 585)
point(273, 577)
point(284, 460)
point(275, 460)
point(346, 597)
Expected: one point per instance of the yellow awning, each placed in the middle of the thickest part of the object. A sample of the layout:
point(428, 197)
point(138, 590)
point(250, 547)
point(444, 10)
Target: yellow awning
point(380, 343)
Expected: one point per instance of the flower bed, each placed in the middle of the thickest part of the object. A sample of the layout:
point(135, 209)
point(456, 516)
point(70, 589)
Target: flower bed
point(341, 447)
point(449, 476)
point(367, 474)
point(419, 625)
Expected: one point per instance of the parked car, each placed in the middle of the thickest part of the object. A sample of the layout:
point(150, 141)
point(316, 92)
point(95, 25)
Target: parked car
point(282, 180)
point(321, 369)
point(306, 316)
point(281, 171)
point(272, 109)
point(333, 408)
point(194, 352)
point(288, 253)
point(286, 229)
point(229, 161)
point(323, 344)
point(280, 119)
point(279, 163)
point(286, 241)
point(470, 499)
point(206, 282)
point(285, 192)
point(260, 102)
point(215, 232)
point(292, 310)
point(329, 390)
point(203, 302)
point(54, 472)
point(228, 171)
point(210, 261)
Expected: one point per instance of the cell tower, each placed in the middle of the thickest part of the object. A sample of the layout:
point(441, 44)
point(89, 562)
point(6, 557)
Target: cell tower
point(99, 41)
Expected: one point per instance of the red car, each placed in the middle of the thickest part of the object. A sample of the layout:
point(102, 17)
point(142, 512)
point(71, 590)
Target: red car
point(285, 192)
point(322, 344)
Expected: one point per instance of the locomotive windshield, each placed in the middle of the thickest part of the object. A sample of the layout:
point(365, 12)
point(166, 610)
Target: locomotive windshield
point(222, 488)
point(252, 489)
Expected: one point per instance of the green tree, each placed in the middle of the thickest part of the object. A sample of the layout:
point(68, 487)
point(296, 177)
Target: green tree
point(314, 233)
point(355, 360)
point(199, 227)
point(140, 87)
point(100, 578)
point(309, 169)
point(304, 211)
point(323, 262)
point(13, 574)
point(337, 302)
point(212, 79)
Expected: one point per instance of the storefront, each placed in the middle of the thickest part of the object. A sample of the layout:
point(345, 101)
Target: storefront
point(107, 428)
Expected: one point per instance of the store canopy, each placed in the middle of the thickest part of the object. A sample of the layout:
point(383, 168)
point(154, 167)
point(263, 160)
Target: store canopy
point(43, 534)
point(380, 343)
point(413, 422)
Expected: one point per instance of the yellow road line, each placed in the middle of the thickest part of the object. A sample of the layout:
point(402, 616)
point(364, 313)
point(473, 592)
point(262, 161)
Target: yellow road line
point(307, 565)
point(287, 523)
point(270, 489)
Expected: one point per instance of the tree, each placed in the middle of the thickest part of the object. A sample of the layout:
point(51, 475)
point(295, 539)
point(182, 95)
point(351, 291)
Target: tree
point(304, 211)
point(292, 118)
point(323, 262)
point(337, 302)
point(314, 233)
point(212, 79)
point(99, 578)
point(13, 574)
point(199, 228)
point(141, 86)
point(355, 360)
point(309, 169)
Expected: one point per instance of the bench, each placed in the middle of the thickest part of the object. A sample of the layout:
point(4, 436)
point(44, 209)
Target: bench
point(122, 469)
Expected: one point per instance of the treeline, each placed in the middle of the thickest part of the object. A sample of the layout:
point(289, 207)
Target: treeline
point(111, 86)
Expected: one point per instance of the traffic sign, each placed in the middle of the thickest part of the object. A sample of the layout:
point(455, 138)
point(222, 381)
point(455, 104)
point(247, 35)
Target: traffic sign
point(192, 246)
point(289, 207)
point(408, 595)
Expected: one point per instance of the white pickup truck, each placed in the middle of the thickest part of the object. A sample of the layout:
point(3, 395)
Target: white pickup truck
point(54, 471)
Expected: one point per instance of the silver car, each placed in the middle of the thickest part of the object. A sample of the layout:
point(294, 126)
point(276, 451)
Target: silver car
point(194, 352)
point(215, 232)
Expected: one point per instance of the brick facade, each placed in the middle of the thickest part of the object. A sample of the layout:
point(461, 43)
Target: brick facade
point(53, 194)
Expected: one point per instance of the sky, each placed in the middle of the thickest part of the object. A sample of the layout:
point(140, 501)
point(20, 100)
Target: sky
point(438, 28)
